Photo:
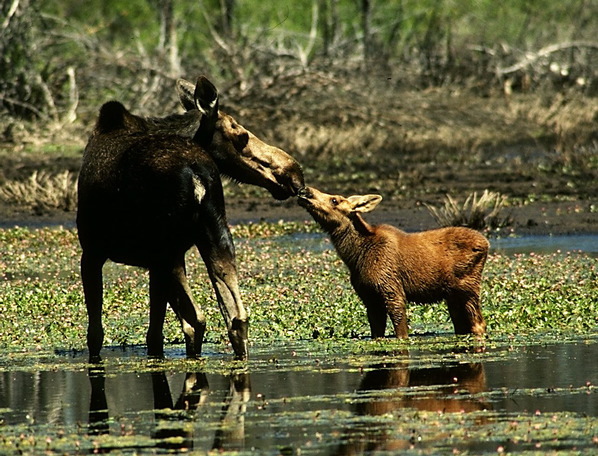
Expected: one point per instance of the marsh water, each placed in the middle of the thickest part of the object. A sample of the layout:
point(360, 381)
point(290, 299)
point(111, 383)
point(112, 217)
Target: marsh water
point(309, 398)
point(433, 394)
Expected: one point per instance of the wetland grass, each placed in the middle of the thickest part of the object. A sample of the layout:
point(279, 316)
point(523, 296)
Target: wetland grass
point(294, 288)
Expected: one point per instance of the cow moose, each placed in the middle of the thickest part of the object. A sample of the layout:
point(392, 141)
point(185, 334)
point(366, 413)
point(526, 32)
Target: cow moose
point(150, 189)
point(390, 267)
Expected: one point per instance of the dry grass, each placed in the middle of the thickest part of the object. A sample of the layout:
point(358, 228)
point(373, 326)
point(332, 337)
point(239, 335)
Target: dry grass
point(42, 191)
point(479, 213)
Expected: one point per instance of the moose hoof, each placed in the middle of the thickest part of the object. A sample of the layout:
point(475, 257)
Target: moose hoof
point(238, 335)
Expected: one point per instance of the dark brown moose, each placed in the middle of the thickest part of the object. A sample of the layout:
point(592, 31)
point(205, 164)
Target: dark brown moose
point(150, 189)
point(390, 267)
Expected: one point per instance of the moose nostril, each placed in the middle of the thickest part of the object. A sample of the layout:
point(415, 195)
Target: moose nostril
point(304, 193)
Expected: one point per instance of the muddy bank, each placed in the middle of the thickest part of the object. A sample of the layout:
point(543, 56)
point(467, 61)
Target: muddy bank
point(550, 218)
point(412, 147)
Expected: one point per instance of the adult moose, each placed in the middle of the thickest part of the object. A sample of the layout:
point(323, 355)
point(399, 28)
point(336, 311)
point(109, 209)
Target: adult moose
point(150, 189)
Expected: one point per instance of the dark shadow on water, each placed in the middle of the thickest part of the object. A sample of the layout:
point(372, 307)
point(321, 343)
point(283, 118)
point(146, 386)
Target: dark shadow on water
point(174, 431)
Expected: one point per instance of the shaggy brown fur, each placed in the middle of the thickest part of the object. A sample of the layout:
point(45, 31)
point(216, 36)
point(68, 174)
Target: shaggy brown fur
point(390, 267)
point(150, 189)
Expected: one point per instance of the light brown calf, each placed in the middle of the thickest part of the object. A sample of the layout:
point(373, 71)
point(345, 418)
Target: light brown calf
point(390, 267)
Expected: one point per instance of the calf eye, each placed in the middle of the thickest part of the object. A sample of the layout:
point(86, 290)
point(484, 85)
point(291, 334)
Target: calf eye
point(334, 201)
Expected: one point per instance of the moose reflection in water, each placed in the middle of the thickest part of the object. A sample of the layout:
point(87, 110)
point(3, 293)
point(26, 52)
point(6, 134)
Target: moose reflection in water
point(406, 388)
point(174, 431)
point(150, 189)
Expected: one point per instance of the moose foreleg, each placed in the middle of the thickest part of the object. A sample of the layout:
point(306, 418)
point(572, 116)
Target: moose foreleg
point(91, 276)
point(219, 258)
point(223, 274)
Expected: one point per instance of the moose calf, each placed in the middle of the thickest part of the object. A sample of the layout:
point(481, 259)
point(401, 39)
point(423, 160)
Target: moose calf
point(390, 267)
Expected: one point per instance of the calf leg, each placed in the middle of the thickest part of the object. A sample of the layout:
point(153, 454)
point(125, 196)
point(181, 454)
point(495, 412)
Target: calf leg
point(377, 319)
point(466, 315)
point(397, 310)
point(91, 276)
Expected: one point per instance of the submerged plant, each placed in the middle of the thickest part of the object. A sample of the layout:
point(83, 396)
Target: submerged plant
point(42, 191)
point(479, 213)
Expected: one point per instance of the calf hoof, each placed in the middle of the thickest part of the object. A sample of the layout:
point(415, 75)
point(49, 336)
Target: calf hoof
point(238, 335)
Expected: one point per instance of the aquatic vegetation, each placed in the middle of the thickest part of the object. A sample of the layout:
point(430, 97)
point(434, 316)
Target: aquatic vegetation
point(294, 286)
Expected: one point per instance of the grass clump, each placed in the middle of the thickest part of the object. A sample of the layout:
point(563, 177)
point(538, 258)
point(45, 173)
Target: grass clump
point(479, 213)
point(43, 191)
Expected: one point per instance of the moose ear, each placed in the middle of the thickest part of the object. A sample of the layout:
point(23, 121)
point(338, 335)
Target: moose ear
point(206, 97)
point(206, 100)
point(186, 91)
point(365, 203)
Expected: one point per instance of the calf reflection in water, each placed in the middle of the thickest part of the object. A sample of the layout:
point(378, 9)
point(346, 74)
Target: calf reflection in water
point(173, 431)
point(446, 384)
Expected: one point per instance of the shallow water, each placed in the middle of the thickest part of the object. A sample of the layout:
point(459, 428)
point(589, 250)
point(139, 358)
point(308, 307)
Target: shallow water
point(586, 243)
point(309, 398)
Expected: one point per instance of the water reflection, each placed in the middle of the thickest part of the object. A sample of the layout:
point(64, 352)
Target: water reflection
point(308, 397)
point(388, 388)
point(175, 431)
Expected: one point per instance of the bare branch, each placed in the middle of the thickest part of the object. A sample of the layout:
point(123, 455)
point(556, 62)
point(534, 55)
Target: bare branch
point(11, 13)
point(532, 57)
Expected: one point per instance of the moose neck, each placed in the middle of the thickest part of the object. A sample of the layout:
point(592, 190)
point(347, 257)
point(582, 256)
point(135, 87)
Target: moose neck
point(185, 125)
point(349, 238)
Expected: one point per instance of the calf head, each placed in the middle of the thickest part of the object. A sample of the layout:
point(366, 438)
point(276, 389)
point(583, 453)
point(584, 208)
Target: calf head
point(332, 211)
point(238, 153)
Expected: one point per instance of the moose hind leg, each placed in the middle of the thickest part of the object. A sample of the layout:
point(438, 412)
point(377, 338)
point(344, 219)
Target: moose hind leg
point(397, 310)
point(377, 319)
point(159, 285)
point(192, 318)
point(466, 314)
point(91, 276)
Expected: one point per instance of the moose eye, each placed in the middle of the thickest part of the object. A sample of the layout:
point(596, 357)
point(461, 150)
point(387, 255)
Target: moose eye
point(334, 201)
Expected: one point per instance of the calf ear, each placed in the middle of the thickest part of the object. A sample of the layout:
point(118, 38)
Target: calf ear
point(365, 203)
point(186, 91)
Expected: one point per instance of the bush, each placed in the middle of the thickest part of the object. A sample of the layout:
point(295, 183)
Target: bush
point(43, 191)
point(477, 213)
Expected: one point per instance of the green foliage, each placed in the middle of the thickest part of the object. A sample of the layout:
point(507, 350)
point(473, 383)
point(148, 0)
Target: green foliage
point(294, 286)
point(64, 56)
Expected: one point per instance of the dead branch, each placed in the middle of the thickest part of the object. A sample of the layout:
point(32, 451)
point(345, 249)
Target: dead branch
point(532, 57)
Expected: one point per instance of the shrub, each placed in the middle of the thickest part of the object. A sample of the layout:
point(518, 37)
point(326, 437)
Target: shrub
point(43, 191)
point(477, 213)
